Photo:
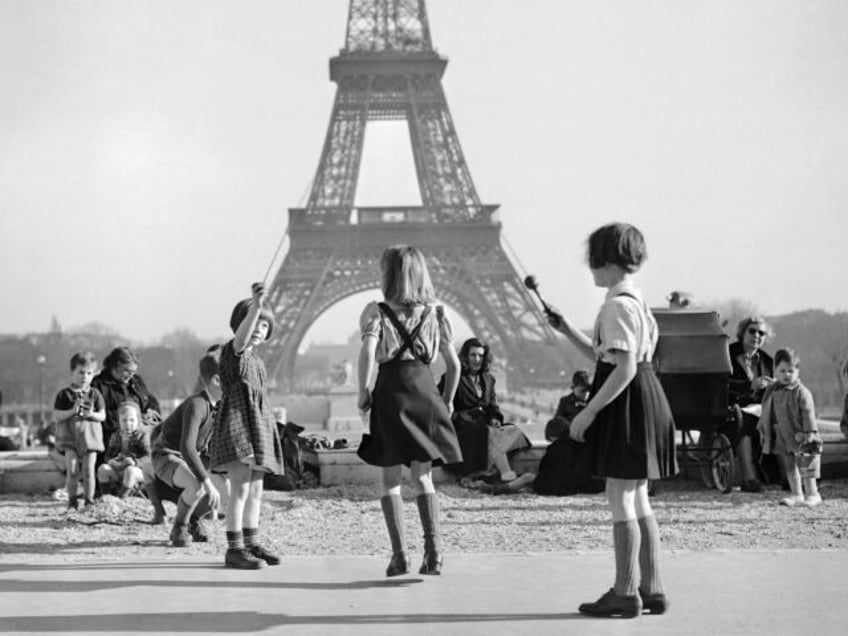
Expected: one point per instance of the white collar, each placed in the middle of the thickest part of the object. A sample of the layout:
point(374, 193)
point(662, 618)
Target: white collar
point(624, 286)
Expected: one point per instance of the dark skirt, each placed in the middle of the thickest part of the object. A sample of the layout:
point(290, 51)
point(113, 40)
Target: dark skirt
point(633, 436)
point(409, 421)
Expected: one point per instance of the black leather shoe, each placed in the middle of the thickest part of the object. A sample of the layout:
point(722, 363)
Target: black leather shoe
point(611, 605)
point(432, 563)
point(242, 559)
point(399, 564)
point(261, 553)
point(654, 603)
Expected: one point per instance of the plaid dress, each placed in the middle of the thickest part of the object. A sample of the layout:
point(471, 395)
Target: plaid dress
point(244, 428)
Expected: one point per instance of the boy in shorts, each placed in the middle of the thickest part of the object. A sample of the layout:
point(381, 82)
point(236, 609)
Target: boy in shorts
point(179, 447)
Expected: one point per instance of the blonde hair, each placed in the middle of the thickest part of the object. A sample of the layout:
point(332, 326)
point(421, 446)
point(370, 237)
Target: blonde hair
point(129, 405)
point(406, 280)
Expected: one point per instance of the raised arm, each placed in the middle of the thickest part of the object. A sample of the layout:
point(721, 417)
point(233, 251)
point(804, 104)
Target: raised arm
point(247, 325)
point(567, 328)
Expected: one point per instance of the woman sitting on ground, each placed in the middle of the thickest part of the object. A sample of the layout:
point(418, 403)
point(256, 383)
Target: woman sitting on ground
point(483, 437)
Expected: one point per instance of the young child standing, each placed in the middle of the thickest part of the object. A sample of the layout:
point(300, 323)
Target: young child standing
point(627, 423)
point(410, 422)
point(788, 428)
point(125, 454)
point(79, 411)
point(244, 442)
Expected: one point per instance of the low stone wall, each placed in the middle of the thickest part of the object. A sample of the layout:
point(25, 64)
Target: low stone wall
point(29, 471)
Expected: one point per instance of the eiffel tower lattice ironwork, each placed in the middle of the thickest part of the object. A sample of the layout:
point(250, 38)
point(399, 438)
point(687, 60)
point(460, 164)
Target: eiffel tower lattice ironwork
point(388, 70)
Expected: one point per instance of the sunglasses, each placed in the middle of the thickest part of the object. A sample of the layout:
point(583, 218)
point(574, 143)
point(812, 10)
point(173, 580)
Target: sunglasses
point(754, 332)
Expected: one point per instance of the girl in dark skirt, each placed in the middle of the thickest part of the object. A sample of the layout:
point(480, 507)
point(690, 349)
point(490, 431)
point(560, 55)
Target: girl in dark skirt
point(410, 422)
point(244, 442)
point(627, 423)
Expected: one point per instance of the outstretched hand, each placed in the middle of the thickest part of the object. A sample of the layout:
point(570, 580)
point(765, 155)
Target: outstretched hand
point(555, 318)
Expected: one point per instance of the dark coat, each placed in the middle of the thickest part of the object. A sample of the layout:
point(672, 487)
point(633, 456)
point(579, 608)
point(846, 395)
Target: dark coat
point(740, 381)
point(116, 393)
point(471, 417)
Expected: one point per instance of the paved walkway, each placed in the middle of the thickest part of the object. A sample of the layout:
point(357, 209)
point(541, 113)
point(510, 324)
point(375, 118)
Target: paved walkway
point(779, 592)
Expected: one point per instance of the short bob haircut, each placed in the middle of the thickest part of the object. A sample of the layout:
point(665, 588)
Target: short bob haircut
point(787, 355)
point(472, 343)
point(119, 356)
point(616, 244)
point(240, 313)
point(130, 405)
point(581, 378)
point(406, 280)
point(753, 320)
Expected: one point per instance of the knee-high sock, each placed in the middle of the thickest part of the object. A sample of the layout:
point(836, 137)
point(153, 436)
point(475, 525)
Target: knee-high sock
point(393, 514)
point(649, 556)
point(626, 540)
point(428, 510)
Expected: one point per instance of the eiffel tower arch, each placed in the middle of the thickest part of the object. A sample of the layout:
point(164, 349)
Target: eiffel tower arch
point(388, 70)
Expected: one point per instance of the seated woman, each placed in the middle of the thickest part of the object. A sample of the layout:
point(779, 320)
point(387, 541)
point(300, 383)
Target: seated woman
point(483, 437)
point(752, 370)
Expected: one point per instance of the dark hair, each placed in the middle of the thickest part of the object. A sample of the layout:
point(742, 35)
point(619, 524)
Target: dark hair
point(208, 365)
point(581, 378)
point(119, 356)
point(752, 320)
point(84, 359)
point(787, 355)
point(240, 313)
point(470, 344)
point(616, 244)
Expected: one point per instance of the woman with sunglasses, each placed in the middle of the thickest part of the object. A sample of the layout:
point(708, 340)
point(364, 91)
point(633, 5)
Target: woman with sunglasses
point(752, 370)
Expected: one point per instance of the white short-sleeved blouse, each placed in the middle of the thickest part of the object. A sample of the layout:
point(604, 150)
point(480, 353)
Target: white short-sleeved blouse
point(624, 323)
point(436, 329)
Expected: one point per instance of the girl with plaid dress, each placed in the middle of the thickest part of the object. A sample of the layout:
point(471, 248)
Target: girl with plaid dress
point(410, 421)
point(244, 442)
point(627, 424)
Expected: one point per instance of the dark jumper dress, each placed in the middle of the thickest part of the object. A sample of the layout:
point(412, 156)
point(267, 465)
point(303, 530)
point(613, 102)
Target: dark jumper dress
point(633, 436)
point(409, 421)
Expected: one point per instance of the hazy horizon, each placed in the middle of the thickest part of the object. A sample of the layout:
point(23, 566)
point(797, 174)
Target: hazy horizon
point(151, 150)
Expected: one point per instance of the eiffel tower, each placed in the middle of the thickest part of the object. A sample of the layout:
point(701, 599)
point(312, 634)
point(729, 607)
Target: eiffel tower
point(388, 70)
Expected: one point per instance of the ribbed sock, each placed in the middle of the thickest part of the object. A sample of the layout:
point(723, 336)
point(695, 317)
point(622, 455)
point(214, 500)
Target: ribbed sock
point(429, 511)
point(235, 540)
point(392, 506)
point(649, 555)
point(251, 537)
point(625, 535)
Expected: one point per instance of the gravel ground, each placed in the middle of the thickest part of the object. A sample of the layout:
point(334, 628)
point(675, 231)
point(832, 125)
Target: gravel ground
point(347, 520)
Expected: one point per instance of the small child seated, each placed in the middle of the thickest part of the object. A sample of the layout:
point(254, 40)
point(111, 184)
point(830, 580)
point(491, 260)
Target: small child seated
point(127, 450)
point(569, 406)
point(788, 428)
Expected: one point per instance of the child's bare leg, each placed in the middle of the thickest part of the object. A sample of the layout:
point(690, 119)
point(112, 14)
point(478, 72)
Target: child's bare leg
point(250, 528)
point(430, 513)
point(88, 475)
point(132, 479)
point(240, 486)
point(72, 476)
point(794, 479)
point(192, 491)
point(811, 486)
point(239, 474)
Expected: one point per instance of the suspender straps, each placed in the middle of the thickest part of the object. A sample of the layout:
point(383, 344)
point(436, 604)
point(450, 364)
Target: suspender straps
point(408, 338)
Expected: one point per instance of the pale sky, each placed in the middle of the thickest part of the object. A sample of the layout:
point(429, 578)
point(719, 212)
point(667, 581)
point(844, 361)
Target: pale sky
point(149, 149)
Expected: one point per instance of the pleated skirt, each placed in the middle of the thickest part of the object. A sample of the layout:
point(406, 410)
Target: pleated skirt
point(633, 436)
point(409, 421)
